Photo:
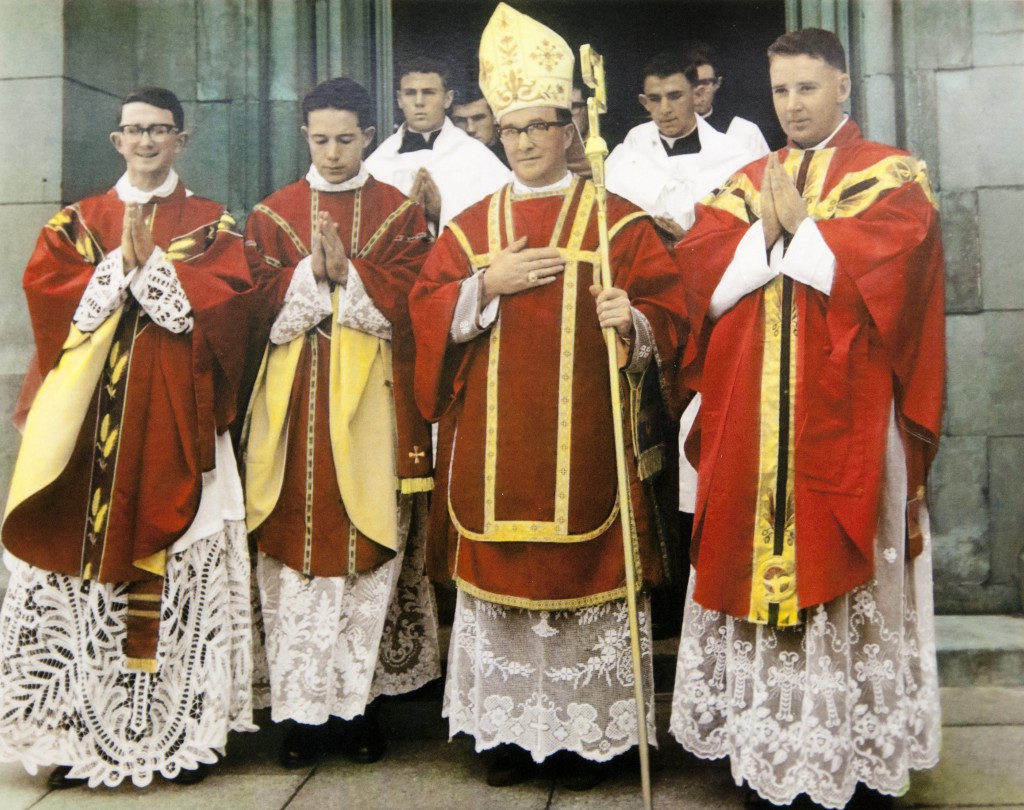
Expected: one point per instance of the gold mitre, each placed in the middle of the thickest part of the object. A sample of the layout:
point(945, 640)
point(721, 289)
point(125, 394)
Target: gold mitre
point(523, 64)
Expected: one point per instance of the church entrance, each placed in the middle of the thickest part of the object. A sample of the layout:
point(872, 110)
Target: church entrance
point(627, 34)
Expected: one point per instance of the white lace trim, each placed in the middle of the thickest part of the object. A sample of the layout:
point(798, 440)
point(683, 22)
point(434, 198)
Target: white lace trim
point(105, 292)
point(409, 655)
point(159, 292)
point(850, 696)
point(357, 310)
point(334, 643)
point(306, 303)
point(67, 698)
point(546, 681)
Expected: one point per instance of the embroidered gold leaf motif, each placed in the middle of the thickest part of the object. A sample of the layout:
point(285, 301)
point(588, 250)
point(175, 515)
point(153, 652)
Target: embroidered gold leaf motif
point(109, 443)
point(226, 223)
point(115, 351)
point(105, 428)
point(85, 248)
point(181, 249)
point(97, 499)
point(118, 371)
point(101, 516)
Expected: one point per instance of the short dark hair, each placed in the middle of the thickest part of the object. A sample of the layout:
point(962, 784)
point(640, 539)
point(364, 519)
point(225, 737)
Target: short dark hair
point(816, 42)
point(155, 97)
point(467, 94)
point(669, 63)
point(703, 54)
point(340, 94)
point(423, 64)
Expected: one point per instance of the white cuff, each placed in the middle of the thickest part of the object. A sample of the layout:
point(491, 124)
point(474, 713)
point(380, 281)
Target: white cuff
point(105, 292)
point(469, 319)
point(809, 259)
point(749, 270)
point(306, 303)
point(159, 292)
point(357, 310)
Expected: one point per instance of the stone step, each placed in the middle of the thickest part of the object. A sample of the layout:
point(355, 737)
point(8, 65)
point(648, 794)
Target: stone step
point(980, 650)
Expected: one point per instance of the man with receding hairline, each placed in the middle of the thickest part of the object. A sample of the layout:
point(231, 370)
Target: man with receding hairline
point(508, 314)
point(815, 286)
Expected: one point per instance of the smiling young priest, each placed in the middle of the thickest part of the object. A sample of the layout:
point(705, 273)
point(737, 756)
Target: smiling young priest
point(126, 641)
point(508, 321)
point(338, 459)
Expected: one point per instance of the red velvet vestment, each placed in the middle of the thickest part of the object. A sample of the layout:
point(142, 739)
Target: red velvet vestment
point(385, 236)
point(131, 483)
point(531, 488)
point(874, 343)
point(177, 391)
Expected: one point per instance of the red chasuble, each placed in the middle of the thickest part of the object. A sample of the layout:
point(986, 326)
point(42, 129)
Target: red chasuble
point(131, 483)
point(385, 236)
point(798, 387)
point(532, 485)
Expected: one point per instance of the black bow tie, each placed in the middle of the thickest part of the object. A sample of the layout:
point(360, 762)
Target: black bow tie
point(687, 145)
point(414, 141)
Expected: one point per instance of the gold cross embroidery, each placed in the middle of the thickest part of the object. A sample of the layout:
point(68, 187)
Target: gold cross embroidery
point(416, 454)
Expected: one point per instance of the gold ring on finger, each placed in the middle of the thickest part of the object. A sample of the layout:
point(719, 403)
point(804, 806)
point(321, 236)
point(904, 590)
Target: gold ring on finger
point(532, 276)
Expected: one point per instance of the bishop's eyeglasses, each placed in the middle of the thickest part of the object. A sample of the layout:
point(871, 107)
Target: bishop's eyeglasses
point(533, 130)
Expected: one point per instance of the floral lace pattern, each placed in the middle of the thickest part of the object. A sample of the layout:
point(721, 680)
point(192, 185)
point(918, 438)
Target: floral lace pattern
point(850, 696)
point(409, 655)
point(546, 680)
point(334, 643)
point(67, 699)
point(105, 292)
point(307, 302)
point(155, 286)
point(357, 310)
point(159, 292)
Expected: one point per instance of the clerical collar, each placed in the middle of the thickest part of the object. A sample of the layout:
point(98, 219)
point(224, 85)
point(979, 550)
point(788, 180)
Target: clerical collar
point(415, 141)
point(127, 193)
point(822, 144)
point(518, 187)
point(688, 144)
point(318, 183)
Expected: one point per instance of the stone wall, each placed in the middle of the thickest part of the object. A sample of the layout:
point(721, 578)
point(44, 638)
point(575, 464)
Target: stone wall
point(964, 71)
point(945, 79)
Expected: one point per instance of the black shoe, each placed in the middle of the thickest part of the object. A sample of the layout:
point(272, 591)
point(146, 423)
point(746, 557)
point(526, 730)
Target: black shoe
point(191, 776)
point(509, 765)
point(363, 740)
point(582, 774)
point(302, 746)
point(59, 779)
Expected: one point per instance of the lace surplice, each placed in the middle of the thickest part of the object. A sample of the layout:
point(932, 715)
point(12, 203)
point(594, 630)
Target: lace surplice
point(546, 681)
point(67, 698)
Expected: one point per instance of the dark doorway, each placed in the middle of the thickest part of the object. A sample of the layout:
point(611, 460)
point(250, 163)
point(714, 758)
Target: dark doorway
point(627, 33)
